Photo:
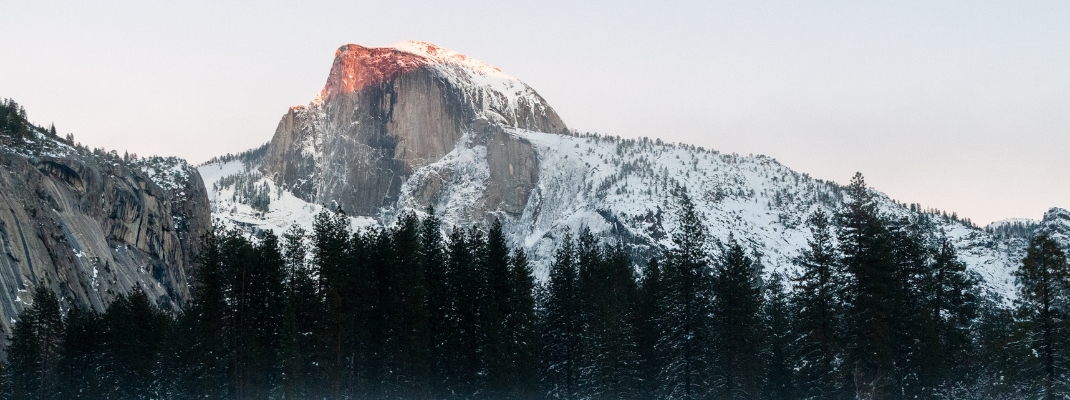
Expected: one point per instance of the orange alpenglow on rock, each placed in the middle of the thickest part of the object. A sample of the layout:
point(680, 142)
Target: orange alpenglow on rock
point(356, 67)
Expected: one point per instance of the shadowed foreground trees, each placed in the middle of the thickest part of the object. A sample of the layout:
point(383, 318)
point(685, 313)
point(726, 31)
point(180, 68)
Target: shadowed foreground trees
point(875, 308)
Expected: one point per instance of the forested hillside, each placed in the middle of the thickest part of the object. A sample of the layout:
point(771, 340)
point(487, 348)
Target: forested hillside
point(881, 308)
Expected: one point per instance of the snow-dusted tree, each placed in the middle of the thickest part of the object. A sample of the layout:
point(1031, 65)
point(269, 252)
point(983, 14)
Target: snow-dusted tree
point(778, 352)
point(1044, 295)
point(561, 325)
point(818, 313)
point(870, 268)
point(686, 309)
point(649, 329)
point(950, 303)
point(36, 342)
point(737, 325)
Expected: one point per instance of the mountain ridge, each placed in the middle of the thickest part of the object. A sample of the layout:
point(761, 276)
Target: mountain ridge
point(457, 151)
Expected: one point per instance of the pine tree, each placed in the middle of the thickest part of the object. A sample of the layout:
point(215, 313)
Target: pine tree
point(951, 304)
point(521, 327)
point(606, 292)
point(406, 312)
point(465, 286)
point(365, 287)
point(686, 311)
point(301, 315)
point(36, 345)
point(912, 327)
point(738, 328)
point(202, 350)
point(868, 262)
point(649, 329)
point(1044, 293)
point(1000, 353)
point(262, 305)
point(433, 253)
point(589, 261)
point(780, 330)
point(82, 360)
point(494, 314)
point(331, 251)
point(561, 324)
point(135, 336)
point(818, 311)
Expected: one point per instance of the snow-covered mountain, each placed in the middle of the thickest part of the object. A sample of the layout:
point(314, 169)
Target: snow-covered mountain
point(414, 125)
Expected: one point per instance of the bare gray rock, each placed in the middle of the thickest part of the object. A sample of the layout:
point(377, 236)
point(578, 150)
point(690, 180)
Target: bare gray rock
point(386, 112)
point(92, 227)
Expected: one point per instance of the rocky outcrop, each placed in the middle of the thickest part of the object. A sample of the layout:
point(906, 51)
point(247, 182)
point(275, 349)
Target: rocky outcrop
point(91, 226)
point(386, 112)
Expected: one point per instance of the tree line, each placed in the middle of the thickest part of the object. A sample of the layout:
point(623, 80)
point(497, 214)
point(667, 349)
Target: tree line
point(879, 308)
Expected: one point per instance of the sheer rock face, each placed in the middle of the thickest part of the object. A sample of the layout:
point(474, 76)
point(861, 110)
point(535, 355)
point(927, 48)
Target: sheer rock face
point(386, 112)
point(92, 228)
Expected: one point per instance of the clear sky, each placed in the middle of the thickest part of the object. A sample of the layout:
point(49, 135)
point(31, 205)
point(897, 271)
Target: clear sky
point(963, 106)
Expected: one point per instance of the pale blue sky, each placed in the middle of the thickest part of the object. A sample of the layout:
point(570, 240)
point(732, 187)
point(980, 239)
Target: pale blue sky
point(963, 106)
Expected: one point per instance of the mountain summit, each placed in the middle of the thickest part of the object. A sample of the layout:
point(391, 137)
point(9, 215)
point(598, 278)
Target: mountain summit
point(412, 125)
point(387, 111)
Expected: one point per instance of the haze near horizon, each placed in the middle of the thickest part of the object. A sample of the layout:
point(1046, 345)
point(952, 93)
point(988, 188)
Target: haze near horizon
point(959, 106)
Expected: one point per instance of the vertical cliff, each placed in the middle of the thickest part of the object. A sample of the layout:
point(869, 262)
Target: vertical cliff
point(91, 225)
point(385, 112)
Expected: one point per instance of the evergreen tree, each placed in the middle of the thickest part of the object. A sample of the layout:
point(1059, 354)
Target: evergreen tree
point(589, 260)
point(203, 347)
point(301, 315)
point(870, 269)
point(738, 330)
point(405, 309)
point(82, 360)
point(135, 336)
point(649, 329)
point(36, 345)
point(433, 253)
point(817, 321)
point(951, 305)
point(1000, 355)
point(1044, 290)
point(609, 323)
point(687, 310)
point(779, 367)
point(495, 299)
point(465, 335)
point(562, 324)
point(331, 251)
point(522, 329)
point(910, 323)
point(259, 298)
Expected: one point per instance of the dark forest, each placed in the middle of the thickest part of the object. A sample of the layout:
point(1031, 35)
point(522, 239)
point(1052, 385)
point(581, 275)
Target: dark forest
point(879, 308)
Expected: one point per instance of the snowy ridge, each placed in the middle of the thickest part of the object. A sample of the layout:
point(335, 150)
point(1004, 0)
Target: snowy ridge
point(501, 95)
point(463, 175)
point(169, 173)
point(283, 211)
point(624, 189)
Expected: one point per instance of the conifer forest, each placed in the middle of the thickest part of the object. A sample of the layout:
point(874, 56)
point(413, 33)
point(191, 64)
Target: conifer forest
point(876, 308)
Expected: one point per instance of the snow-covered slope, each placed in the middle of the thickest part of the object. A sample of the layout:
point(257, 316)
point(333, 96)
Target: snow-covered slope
point(479, 161)
point(620, 188)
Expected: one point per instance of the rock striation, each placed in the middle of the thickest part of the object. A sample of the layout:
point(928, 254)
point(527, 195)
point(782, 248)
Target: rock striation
point(387, 111)
point(92, 226)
